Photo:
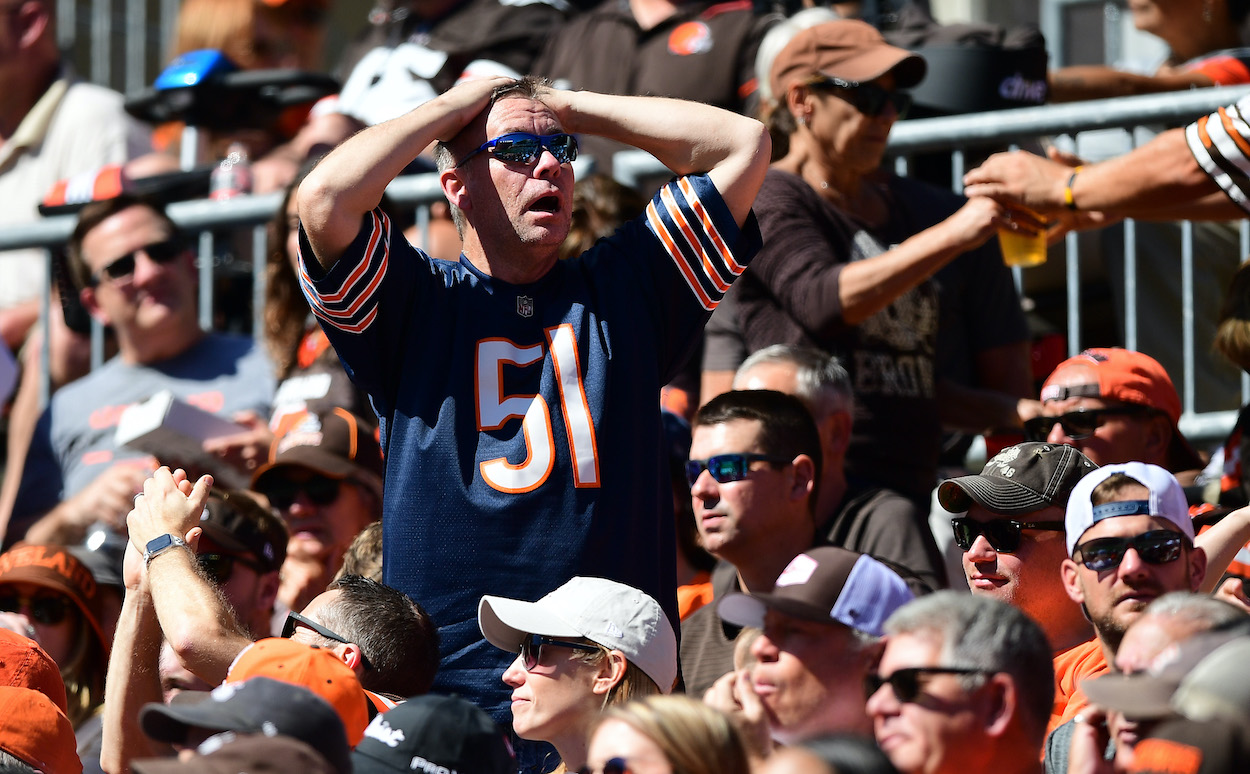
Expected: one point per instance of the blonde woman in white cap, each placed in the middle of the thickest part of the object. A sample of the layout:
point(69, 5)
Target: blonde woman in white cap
point(588, 645)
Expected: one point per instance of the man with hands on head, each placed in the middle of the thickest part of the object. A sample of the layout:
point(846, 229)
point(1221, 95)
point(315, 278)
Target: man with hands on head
point(535, 380)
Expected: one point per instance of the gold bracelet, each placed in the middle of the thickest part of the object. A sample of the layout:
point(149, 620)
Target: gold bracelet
point(1068, 200)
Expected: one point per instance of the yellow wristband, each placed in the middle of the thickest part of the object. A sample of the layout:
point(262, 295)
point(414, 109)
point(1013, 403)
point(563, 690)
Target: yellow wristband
point(1068, 200)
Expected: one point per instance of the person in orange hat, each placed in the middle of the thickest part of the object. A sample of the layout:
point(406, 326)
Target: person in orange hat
point(60, 600)
point(1115, 405)
point(35, 732)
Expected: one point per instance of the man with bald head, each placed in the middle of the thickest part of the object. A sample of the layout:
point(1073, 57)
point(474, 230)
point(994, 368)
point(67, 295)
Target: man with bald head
point(852, 513)
point(517, 392)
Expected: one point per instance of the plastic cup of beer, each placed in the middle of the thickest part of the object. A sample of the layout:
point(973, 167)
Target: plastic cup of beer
point(1022, 250)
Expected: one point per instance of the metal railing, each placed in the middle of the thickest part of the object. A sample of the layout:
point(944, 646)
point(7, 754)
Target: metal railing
point(956, 135)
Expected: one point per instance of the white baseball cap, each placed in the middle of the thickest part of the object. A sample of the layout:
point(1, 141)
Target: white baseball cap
point(608, 613)
point(1167, 500)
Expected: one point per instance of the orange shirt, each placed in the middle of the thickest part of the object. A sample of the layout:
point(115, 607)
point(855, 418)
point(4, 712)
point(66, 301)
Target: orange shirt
point(694, 595)
point(1073, 665)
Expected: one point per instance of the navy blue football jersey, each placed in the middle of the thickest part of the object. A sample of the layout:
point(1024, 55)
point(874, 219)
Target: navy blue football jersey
point(521, 423)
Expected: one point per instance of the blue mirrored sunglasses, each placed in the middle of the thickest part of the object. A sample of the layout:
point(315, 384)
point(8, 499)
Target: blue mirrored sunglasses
point(728, 467)
point(523, 147)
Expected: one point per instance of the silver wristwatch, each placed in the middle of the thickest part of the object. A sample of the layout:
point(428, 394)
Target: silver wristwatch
point(160, 544)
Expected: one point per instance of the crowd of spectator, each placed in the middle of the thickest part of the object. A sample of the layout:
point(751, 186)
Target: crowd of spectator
point(578, 477)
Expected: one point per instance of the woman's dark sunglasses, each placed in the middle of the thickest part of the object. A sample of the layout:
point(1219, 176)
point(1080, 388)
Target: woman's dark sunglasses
point(50, 609)
point(294, 619)
point(610, 766)
point(868, 98)
point(319, 490)
point(1158, 546)
point(727, 467)
point(1002, 534)
point(531, 649)
point(523, 147)
point(123, 267)
point(906, 683)
point(1077, 425)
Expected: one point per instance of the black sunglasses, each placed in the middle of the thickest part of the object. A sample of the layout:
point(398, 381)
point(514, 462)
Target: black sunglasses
point(320, 490)
point(728, 467)
point(123, 267)
point(868, 98)
point(1077, 425)
point(294, 619)
point(523, 147)
point(531, 649)
point(1002, 534)
point(220, 567)
point(49, 609)
point(1158, 546)
point(610, 766)
point(906, 683)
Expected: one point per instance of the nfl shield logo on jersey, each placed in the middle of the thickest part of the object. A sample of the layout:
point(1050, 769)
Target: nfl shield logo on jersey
point(525, 306)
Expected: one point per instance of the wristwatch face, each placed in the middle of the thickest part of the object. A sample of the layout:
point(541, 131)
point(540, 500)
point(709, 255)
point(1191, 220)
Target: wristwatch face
point(160, 543)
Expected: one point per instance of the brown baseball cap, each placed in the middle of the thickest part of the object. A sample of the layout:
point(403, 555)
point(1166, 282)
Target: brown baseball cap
point(848, 49)
point(1127, 376)
point(337, 444)
point(827, 584)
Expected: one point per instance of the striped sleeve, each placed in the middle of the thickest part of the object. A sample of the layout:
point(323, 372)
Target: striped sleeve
point(699, 235)
point(347, 296)
point(1220, 143)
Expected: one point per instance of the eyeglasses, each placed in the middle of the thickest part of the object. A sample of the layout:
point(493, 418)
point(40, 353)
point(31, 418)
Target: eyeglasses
point(906, 683)
point(282, 492)
point(728, 467)
point(123, 267)
point(531, 649)
point(294, 619)
point(1158, 546)
point(610, 766)
point(868, 98)
point(220, 567)
point(49, 609)
point(523, 147)
point(1077, 425)
point(1003, 534)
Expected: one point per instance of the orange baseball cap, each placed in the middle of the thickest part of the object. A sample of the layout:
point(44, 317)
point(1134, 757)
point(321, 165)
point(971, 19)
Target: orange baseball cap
point(1127, 376)
point(56, 568)
point(33, 729)
point(318, 670)
point(23, 664)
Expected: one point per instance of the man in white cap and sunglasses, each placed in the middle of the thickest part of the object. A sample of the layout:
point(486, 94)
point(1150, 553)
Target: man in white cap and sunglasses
point(1130, 540)
point(1008, 521)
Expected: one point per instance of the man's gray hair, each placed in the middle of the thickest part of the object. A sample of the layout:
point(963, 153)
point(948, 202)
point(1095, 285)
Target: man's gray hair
point(821, 381)
point(1203, 612)
point(981, 633)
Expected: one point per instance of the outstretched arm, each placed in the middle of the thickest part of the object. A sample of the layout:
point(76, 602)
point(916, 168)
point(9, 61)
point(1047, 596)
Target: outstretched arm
point(687, 137)
point(1145, 182)
point(350, 181)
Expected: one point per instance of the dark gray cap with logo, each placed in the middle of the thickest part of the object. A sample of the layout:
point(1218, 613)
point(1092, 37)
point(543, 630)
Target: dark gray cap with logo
point(1018, 480)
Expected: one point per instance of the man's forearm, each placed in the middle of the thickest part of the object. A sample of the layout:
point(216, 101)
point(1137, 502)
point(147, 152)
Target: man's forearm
point(197, 621)
point(1147, 180)
point(685, 136)
point(133, 680)
point(351, 180)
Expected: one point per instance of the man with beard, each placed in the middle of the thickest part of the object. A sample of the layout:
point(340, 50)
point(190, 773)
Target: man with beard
point(1130, 540)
